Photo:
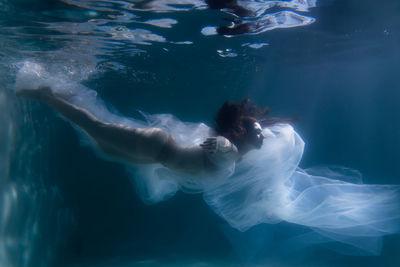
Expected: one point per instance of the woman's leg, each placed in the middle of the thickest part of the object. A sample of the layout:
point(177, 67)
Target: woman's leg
point(81, 117)
point(137, 145)
point(134, 145)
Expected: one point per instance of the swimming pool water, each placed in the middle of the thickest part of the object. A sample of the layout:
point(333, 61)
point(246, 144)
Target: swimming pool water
point(333, 63)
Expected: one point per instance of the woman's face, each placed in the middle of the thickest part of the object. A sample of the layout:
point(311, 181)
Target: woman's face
point(255, 136)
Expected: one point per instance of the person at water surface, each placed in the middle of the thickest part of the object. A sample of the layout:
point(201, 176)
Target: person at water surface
point(238, 130)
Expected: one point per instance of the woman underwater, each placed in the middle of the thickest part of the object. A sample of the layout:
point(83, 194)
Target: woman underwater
point(247, 168)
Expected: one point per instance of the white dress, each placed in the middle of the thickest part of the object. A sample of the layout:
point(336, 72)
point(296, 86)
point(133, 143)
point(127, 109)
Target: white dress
point(267, 186)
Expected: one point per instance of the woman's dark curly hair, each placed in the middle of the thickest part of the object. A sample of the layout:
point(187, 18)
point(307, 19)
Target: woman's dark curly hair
point(233, 120)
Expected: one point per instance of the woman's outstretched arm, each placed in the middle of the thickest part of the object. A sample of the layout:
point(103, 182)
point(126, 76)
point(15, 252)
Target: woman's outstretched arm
point(133, 145)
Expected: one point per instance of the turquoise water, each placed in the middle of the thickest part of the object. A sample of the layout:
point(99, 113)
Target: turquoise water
point(332, 63)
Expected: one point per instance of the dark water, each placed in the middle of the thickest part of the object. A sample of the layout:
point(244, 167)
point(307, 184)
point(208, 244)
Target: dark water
point(63, 205)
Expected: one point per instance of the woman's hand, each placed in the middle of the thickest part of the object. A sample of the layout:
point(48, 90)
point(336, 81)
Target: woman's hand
point(210, 145)
point(220, 150)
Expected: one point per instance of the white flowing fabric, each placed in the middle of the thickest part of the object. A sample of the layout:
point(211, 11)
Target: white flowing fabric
point(155, 183)
point(266, 186)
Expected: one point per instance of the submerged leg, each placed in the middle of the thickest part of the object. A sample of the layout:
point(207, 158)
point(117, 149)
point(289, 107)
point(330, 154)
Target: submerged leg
point(81, 117)
point(137, 145)
point(134, 145)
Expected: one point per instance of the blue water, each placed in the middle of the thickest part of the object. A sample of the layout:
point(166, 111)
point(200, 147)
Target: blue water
point(336, 67)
